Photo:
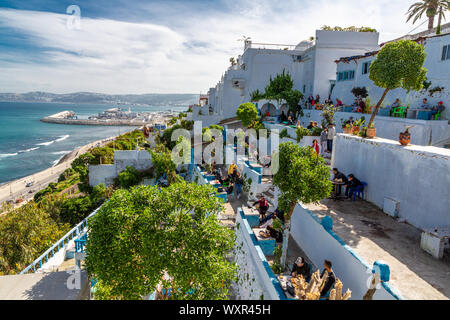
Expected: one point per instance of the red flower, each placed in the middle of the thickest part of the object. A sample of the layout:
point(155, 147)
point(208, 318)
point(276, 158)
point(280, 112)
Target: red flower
point(440, 103)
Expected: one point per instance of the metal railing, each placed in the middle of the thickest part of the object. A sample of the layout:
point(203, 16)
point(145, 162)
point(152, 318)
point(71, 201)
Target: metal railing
point(78, 230)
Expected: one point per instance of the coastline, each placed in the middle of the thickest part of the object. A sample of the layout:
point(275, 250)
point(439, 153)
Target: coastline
point(17, 188)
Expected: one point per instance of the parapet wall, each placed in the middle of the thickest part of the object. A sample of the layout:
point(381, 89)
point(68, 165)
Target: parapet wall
point(106, 173)
point(417, 178)
point(257, 281)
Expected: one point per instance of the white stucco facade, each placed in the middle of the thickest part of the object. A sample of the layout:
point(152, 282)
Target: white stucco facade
point(438, 74)
point(417, 178)
point(311, 66)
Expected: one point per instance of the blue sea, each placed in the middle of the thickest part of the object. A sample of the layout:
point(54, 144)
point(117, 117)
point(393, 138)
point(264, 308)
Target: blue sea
point(28, 145)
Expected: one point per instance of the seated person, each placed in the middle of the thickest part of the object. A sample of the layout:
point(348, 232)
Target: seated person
point(339, 177)
point(338, 103)
point(278, 213)
point(440, 107)
point(331, 279)
point(396, 104)
point(263, 206)
point(310, 125)
point(231, 168)
point(283, 117)
point(290, 120)
point(355, 105)
point(270, 231)
point(361, 106)
point(267, 161)
point(301, 268)
point(425, 105)
point(350, 121)
point(351, 185)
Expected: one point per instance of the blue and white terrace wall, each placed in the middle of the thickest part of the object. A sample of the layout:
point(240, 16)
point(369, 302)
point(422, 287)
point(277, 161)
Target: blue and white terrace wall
point(256, 279)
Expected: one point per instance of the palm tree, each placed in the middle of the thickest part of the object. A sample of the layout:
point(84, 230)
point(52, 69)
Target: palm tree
point(430, 8)
point(441, 14)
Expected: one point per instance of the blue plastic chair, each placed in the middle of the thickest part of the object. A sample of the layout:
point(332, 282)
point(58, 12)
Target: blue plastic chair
point(359, 191)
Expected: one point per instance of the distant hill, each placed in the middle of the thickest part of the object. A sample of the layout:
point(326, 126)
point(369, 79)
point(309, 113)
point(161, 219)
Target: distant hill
point(92, 97)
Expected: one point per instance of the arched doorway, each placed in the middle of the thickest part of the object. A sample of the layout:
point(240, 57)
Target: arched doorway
point(269, 107)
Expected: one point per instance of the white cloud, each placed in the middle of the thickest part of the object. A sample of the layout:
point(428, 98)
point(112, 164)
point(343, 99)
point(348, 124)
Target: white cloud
point(179, 51)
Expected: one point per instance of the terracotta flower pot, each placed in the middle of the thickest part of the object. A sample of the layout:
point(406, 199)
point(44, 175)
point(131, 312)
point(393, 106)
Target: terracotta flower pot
point(404, 138)
point(371, 133)
point(355, 130)
point(348, 130)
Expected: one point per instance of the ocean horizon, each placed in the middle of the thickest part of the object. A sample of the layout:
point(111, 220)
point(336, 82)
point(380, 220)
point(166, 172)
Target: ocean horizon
point(28, 145)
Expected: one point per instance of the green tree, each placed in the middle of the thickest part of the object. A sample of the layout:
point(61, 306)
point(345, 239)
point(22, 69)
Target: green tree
point(25, 233)
point(256, 95)
point(431, 8)
point(398, 65)
point(247, 113)
point(144, 233)
point(74, 210)
point(279, 86)
point(162, 163)
point(128, 177)
point(302, 176)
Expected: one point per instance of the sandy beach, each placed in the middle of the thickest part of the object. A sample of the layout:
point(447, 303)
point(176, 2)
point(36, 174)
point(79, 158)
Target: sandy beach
point(17, 189)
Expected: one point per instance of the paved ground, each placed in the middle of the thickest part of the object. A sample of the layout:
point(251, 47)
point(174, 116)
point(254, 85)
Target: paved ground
point(43, 286)
point(376, 236)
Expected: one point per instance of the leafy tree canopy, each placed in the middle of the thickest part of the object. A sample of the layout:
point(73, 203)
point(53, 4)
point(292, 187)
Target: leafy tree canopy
point(144, 233)
point(302, 176)
point(247, 113)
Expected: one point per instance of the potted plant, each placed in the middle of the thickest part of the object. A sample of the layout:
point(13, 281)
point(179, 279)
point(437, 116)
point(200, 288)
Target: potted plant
point(347, 128)
point(357, 125)
point(405, 137)
point(371, 131)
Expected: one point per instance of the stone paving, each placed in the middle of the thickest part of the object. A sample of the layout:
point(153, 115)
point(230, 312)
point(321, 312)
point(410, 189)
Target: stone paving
point(374, 235)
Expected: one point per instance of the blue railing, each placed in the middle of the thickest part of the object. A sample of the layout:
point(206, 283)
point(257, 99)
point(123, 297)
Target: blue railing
point(77, 231)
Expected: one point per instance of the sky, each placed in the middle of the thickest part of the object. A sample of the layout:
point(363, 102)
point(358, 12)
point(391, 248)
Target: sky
point(162, 46)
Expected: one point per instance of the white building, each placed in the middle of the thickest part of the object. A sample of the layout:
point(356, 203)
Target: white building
point(311, 66)
point(354, 72)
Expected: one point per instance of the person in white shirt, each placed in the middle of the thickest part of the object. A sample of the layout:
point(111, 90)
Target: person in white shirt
point(330, 135)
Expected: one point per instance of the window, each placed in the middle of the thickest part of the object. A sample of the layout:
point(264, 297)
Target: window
point(365, 67)
point(446, 52)
point(346, 75)
point(339, 77)
point(351, 75)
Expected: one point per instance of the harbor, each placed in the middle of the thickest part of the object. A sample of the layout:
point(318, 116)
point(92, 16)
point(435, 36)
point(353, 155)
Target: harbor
point(112, 117)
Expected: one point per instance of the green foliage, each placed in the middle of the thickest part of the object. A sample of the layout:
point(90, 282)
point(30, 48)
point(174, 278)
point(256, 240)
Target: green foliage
point(256, 95)
point(143, 233)
point(128, 177)
point(301, 132)
point(328, 112)
point(66, 174)
point(279, 86)
point(284, 133)
point(74, 210)
point(162, 163)
point(316, 131)
point(399, 64)
point(349, 29)
point(247, 114)
point(25, 233)
point(302, 175)
point(292, 98)
point(360, 92)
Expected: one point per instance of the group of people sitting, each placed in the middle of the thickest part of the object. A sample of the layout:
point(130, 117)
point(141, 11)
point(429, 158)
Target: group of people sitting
point(351, 183)
point(301, 267)
point(359, 105)
point(232, 181)
point(290, 118)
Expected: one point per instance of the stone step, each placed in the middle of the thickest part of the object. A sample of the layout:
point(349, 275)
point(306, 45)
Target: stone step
point(266, 180)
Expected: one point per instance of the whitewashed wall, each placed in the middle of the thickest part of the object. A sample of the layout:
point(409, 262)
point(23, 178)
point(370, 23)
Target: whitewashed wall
point(422, 131)
point(417, 177)
point(256, 279)
point(106, 173)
